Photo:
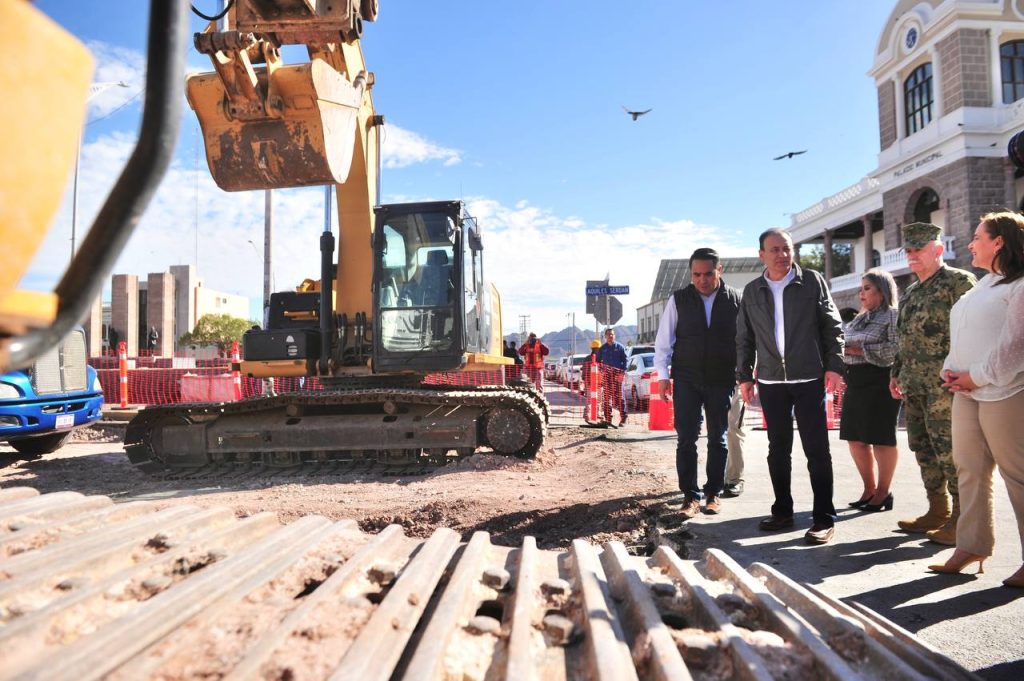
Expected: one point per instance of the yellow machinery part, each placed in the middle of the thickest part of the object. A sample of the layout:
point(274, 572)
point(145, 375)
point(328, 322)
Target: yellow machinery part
point(306, 141)
point(278, 367)
point(44, 107)
point(356, 198)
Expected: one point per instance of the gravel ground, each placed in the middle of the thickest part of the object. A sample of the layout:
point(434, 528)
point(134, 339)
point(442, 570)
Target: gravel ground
point(578, 487)
point(581, 486)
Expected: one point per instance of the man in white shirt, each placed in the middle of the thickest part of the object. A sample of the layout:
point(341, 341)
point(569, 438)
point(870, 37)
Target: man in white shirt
point(697, 336)
point(790, 329)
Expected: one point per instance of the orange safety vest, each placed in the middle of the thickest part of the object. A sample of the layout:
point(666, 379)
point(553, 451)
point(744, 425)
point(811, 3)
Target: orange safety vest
point(533, 355)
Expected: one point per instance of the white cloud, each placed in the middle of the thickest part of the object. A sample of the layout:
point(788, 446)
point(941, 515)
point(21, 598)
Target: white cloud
point(401, 148)
point(540, 261)
point(116, 64)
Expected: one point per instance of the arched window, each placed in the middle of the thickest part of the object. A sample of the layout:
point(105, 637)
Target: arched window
point(926, 204)
point(918, 98)
point(1011, 56)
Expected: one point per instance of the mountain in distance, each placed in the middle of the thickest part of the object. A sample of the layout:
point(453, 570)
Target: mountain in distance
point(560, 342)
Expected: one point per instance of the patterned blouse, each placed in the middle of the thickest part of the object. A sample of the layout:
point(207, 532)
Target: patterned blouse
point(875, 332)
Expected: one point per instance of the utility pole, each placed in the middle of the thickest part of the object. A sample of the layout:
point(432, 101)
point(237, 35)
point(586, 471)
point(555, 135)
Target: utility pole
point(574, 333)
point(268, 232)
point(524, 326)
point(94, 90)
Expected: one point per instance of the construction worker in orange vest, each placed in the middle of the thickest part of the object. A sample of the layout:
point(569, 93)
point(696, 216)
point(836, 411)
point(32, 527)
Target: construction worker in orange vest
point(533, 352)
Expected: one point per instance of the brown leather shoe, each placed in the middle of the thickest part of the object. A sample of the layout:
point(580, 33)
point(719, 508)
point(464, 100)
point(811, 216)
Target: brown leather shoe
point(820, 534)
point(775, 523)
point(713, 506)
point(691, 508)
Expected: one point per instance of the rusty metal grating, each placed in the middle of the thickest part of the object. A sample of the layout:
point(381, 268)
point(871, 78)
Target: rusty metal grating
point(91, 589)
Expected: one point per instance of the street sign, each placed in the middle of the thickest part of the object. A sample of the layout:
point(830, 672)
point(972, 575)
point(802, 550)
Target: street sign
point(607, 290)
point(612, 307)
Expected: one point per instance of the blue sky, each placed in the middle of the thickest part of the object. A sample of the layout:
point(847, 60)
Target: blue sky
point(517, 109)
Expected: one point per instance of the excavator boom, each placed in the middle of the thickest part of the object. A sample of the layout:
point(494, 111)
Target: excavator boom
point(406, 298)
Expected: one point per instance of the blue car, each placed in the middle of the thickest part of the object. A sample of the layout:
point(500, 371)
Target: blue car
point(42, 405)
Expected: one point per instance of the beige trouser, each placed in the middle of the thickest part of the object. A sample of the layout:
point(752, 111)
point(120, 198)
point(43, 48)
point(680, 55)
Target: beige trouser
point(736, 437)
point(986, 435)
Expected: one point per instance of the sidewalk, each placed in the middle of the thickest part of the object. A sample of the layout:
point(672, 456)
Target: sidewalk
point(973, 619)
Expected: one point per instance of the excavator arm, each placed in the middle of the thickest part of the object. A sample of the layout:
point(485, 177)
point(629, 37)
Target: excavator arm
point(270, 125)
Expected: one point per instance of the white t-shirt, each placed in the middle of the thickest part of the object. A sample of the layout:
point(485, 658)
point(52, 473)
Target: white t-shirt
point(780, 319)
point(777, 288)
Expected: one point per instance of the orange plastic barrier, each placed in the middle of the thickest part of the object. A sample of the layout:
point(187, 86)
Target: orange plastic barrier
point(236, 375)
point(209, 388)
point(662, 414)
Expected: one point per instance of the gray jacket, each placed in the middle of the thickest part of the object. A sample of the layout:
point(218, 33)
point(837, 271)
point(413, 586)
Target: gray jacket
point(814, 333)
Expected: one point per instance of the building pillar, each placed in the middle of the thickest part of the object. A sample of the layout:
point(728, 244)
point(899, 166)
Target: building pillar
point(901, 113)
point(185, 281)
point(93, 324)
point(996, 66)
point(869, 243)
point(160, 311)
point(124, 310)
point(828, 255)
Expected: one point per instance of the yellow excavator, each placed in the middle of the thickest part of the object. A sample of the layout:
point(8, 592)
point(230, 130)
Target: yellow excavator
point(404, 300)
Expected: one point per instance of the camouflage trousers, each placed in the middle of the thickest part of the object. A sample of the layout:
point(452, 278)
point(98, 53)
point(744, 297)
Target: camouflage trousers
point(929, 431)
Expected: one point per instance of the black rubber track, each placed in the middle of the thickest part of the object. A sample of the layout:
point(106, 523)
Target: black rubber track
point(142, 429)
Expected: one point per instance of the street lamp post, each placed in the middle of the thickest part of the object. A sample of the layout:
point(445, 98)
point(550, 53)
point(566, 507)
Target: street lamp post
point(94, 90)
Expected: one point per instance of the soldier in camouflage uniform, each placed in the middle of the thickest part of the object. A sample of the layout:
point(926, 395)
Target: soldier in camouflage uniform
point(923, 345)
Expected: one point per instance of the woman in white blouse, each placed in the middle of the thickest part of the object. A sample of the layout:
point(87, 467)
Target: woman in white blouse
point(985, 372)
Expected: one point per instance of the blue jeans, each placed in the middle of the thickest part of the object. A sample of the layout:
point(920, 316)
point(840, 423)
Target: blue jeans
point(689, 400)
point(780, 401)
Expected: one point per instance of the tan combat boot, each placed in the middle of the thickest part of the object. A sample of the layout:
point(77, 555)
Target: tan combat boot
point(937, 515)
point(946, 535)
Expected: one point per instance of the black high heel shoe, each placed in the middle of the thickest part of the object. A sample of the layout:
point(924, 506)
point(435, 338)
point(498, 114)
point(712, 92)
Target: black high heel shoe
point(886, 505)
point(861, 502)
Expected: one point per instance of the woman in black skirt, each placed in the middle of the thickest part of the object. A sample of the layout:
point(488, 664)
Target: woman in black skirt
point(869, 412)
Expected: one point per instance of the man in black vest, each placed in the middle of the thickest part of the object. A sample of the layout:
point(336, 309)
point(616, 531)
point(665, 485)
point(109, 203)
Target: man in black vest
point(697, 336)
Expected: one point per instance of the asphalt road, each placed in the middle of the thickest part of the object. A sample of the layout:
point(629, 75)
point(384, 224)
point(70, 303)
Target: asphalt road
point(973, 619)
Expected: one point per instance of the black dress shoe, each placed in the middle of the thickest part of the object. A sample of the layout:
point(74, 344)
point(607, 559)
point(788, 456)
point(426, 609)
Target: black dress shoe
point(775, 523)
point(886, 505)
point(820, 534)
point(860, 503)
point(733, 489)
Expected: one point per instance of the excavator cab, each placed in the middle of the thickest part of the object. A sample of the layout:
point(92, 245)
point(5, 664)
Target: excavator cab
point(420, 287)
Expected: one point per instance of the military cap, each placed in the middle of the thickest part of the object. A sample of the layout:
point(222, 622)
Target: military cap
point(918, 234)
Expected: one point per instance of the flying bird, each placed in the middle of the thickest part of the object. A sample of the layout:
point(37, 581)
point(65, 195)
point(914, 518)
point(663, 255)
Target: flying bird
point(636, 114)
point(790, 154)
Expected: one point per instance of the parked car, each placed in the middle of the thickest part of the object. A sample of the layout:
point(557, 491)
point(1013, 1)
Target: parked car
point(42, 405)
point(638, 350)
point(560, 368)
point(636, 384)
point(550, 369)
point(573, 372)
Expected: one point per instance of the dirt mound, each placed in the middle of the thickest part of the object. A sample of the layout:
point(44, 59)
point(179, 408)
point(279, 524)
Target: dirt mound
point(420, 522)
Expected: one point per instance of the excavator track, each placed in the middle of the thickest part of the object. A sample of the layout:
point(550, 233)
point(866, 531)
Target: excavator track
point(90, 589)
point(403, 430)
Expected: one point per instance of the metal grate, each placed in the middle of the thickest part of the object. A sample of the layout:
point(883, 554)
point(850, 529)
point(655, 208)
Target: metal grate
point(75, 360)
point(46, 373)
point(93, 590)
point(62, 369)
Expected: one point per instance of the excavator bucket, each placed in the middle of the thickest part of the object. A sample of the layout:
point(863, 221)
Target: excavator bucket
point(306, 138)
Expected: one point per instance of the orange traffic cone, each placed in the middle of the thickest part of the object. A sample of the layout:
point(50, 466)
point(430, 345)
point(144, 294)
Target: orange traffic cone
point(661, 415)
point(593, 381)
